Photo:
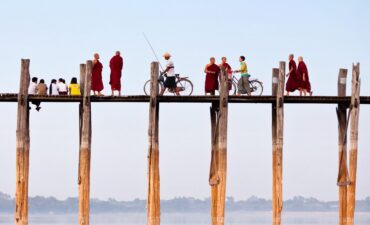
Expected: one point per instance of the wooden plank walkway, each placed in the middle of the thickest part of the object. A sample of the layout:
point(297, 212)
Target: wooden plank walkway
point(193, 99)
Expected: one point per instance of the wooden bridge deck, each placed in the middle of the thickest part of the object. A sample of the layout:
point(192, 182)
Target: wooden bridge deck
point(193, 99)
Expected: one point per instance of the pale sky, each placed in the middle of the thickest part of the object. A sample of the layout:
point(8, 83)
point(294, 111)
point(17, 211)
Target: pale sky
point(58, 36)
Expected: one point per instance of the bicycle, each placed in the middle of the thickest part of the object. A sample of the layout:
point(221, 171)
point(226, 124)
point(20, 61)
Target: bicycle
point(256, 86)
point(183, 85)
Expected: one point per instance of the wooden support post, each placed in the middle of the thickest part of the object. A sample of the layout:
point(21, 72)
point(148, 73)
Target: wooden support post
point(153, 198)
point(85, 151)
point(219, 113)
point(354, 118)
point(277, 143)
point(22, 147)
point(82, 87)
point(342, 180)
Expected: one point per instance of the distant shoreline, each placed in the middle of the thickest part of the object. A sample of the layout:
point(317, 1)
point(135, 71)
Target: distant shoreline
point(51, 206)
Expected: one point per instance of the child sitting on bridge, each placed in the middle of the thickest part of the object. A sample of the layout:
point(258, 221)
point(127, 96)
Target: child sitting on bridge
point(32, 90)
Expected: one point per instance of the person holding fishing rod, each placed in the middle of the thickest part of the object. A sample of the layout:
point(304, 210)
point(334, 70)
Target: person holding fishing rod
point(169, 73)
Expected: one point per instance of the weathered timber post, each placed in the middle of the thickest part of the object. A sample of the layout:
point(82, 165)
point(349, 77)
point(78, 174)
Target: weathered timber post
point(85, 151)
point(277, 145)
point(354, 118)
point(153, 198)
point(219, 152)
point(82, 87)
point(275, 83)
point(342, 180)
point(22, 147)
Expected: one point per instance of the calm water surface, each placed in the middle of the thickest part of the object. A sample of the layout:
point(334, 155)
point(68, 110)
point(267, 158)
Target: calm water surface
point(259, 218)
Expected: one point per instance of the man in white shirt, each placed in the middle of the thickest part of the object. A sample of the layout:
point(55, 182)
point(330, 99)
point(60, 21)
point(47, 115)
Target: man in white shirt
point(169, 73)
point(32, 90)
point(62, 87)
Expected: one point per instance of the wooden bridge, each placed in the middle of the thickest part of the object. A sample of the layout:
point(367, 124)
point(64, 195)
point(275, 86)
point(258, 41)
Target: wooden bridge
point(347, 113)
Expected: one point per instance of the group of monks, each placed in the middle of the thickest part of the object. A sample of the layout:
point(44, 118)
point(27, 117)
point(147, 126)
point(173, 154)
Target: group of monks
point(298, 78)
point(212, 71)
point(116, 65)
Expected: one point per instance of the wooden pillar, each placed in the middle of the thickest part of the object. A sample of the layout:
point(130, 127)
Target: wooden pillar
point(22, 147)
point(85, 151)
point(342, 180)
point(219, 113)
point(354, 118)
point(153, 198)
point(82, 87)
point(277, 143)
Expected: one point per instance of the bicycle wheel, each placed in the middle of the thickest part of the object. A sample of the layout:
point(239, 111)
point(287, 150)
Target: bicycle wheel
point(147, 87)
point(232, 91)
point(184, 86)
point(256, 87)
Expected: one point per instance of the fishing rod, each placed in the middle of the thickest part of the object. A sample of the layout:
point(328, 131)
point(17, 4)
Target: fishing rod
point(151, 47)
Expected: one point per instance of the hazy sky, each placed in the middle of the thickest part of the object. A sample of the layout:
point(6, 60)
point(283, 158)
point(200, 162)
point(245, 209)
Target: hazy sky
point(58, 36)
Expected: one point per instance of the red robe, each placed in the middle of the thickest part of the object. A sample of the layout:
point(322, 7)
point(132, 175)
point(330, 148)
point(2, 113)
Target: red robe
point(211, 83)
point(116, 64)
point(229, 73)
point(302, 69)
point(294, 81)
point(96, 77)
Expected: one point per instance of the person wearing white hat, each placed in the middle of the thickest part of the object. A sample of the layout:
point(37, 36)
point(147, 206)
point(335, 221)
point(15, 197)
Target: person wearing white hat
point(169, 73)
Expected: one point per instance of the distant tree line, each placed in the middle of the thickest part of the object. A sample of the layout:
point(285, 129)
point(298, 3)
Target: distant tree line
point(51, 205)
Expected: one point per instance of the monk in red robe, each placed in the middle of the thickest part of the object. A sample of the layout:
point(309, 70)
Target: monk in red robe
point(96, 77)
point(116, 64)
point(303, 74)
point(228, 70)
point(294, 81)
point(212, 72)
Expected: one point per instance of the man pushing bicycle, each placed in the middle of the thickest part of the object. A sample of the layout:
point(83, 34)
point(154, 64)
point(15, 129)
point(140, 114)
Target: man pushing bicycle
point(169, 73)
point(243, 83)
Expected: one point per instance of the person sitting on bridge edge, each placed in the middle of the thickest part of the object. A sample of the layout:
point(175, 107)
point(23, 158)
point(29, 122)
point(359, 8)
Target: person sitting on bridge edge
point(169, 73)
point(294, 81)
point(116, 64)
point(53, 88)
point(62, 87)
point(74, 87)
point(243, 83)
point(96, 77)
point(41, 88)
point(303, 74)
point(228, 70)
point(32, 90)
point(212, 72)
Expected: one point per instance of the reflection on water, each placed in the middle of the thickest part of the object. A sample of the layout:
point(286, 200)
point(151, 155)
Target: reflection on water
point(259, 218)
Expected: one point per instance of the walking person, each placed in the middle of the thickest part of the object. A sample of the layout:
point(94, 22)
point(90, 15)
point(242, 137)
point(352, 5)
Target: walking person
point(116, 64)
point(96, 77)
point(32, 90)
point(243, 83)
point(169, 73)
point(62, 87)
point(41, 88)
point(212, 72)
point(53, 88)
point(303, 74)
point(294, 81)
point(74, 87)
